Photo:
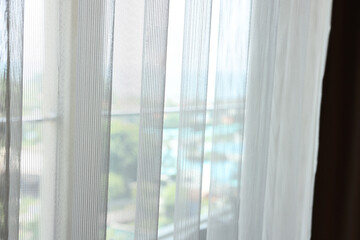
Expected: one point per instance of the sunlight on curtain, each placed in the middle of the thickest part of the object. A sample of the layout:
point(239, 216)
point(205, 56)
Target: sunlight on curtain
point(124, 139)
point(65, 139)
point(32, 161)
point(159, 119)
point(228, 118)
point(192, 119)
point(171, 117)
point(281, 120)
point(151, 118)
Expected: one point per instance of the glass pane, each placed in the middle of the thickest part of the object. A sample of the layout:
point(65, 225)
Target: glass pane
point(124, 141)
point(122, 176)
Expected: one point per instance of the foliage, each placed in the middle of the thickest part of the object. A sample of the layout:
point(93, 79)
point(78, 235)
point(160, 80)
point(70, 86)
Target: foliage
point(169, 199)
point(30, 230)
point(124, 149)
point(171, 120)
point(116, 234)
point(33, 229)
point(116, 186)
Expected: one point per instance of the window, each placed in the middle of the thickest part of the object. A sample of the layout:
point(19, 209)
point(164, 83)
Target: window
point(157, 153)
point(125, 120)
point(38, 178)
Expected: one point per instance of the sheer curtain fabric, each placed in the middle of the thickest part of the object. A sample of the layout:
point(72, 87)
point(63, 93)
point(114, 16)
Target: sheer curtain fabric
point(159, 119)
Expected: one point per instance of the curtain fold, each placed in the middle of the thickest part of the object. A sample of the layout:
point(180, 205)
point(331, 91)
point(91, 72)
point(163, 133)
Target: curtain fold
point(67, 100)
point(192, 118)
point(281, 121)
point(151, 118)
point(11, 52)
point(92, 105)
point(228, 119)
point(242, 168)
point(262, 51)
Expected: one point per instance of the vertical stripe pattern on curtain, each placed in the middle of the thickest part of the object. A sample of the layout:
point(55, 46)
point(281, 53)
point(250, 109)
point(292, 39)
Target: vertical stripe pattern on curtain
point(270, 58)
point(11, 52)
point(67, 26)
point(228, 129)
point(151, 118)
point(193, 98)
point(92, 119)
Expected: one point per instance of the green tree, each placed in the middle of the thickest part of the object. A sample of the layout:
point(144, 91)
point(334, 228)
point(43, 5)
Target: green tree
point(124, 148)
point(117, 187)
point(169, 199)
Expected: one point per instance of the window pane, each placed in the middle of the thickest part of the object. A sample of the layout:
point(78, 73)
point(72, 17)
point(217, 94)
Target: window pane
point(124, 141)
point(122, 176)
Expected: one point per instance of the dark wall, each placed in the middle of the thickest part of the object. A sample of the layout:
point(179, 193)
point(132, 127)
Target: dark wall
point(336, 212)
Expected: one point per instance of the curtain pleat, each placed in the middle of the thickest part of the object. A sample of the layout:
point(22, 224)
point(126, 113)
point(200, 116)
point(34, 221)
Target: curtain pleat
point(228, 119)
point(193, 98)
point(11, 53)
point(66, 23)
point(92, 119)
point(281, 121)
point(151, 118)
point(284, 166)
point(263, 33)
point(263, 143)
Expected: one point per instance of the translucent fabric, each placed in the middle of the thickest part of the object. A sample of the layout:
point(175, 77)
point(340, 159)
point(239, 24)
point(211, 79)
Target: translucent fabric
point(192, 120)
point(91, 126)
point(67, 100)
point(159, 119)
point(228, 119)
point(151, 118)
point(11, 70)
point(281, 117)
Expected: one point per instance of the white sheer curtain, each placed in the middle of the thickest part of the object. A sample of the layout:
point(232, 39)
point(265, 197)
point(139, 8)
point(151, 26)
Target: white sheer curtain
point(159, 119)
point(282, 113)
